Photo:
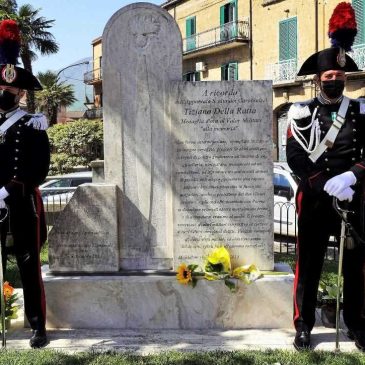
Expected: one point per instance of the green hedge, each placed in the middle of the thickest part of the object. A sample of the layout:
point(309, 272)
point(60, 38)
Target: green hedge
point(74, 144)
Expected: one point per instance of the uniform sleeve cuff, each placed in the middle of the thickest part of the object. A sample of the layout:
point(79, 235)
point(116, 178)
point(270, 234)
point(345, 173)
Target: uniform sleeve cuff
point(3, 193)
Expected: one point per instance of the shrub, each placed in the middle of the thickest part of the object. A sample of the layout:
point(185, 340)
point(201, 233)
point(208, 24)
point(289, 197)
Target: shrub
point(74, 144)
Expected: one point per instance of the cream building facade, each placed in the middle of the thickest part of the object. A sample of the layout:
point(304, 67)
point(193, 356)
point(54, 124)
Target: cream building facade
point(257, 40)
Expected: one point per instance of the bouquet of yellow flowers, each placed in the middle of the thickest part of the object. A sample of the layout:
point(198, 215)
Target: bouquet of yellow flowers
point(10, 297)
point(218, 267)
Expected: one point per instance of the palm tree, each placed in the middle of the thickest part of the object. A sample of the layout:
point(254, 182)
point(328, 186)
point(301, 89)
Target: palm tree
point(34, 36)
point(53, 95)
point(8, 6)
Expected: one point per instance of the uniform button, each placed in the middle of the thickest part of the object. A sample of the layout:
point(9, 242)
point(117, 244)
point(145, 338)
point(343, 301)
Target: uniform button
point(354, 130)
point(327, 169)
point(319, 114)
point(17, 140)
point(352, 113)
point(354, 139)
point(353, 159)
point(354, 149)
point(321, 123)
point(323, 132)
point(16, 150)
point(15, 158)
point(353, 120)
point(14, 177)
point(350, 105)
point(326, 159)
point(18, 132)
point(15, 167)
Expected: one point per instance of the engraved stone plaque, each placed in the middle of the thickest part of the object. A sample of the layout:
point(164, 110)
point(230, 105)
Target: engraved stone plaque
point(222, 171)
point(84, 238)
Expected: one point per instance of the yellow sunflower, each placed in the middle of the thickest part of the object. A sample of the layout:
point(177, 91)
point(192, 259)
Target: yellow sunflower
point(184, 275)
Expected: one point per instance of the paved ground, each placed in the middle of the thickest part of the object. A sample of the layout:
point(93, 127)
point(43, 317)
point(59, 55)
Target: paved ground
point(148, 341)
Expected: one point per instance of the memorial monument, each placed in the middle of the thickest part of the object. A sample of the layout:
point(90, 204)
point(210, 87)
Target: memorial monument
point(187, 168)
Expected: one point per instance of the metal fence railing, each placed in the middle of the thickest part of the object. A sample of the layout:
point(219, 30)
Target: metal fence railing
point(286, 231)
point(54, 201)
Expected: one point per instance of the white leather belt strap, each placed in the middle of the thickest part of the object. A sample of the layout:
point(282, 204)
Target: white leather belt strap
point(329, 138)
point(13, 119)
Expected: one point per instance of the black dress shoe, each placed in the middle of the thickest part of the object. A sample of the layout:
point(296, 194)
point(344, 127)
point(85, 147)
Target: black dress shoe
point(302, 340)
point(39, 339)
point(359, 337)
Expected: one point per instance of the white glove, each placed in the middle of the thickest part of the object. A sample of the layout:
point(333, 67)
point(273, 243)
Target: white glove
point(3, 193)
point(2, 204)
point(339, 183)
point(346, 194)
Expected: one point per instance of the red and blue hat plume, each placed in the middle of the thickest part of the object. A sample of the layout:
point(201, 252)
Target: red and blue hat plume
point(9, 42)
point(342, 26)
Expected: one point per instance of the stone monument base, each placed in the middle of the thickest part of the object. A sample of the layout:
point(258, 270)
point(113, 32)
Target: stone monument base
point(160, 302)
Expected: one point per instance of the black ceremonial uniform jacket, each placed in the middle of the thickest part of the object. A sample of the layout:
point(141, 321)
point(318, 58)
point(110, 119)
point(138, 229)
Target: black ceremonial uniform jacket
point(24, 164)
point(347, 153)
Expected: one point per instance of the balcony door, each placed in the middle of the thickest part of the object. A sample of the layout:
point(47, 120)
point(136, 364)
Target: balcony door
point(228, 20)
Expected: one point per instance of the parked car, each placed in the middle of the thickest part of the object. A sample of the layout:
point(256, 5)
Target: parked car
point(57, 190)
point(285, 188)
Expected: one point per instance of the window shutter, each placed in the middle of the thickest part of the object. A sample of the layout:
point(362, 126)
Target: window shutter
point(223, 72)
point(288, 39)
point(359, 8)
point(190, 33)
point(221, 15)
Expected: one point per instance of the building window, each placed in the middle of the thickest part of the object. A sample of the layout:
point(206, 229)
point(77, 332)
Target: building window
point(190, 33)
point(288, 39)
point(359, 7)
point(229, 71)
point(191, 76)
point(228, 20)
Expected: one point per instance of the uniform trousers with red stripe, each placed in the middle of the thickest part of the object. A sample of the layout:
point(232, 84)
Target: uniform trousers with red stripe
point(23, 225)
point(317, 221)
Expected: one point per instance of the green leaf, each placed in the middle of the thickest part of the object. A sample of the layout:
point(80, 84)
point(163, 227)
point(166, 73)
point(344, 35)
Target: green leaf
point(209, 267)
point(194, 282)
point(192, 267)
point(231, 285)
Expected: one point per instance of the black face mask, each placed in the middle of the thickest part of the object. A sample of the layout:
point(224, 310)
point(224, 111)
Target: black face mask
point(333, 88)
point(7, 100)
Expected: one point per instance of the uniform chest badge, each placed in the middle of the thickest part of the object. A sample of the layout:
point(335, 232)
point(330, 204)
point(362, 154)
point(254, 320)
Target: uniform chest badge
point(2, 138)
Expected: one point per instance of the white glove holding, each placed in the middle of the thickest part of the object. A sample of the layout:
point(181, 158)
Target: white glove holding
point(346, 194)
point(339, 183)
point(2, 204)
point(3, 193)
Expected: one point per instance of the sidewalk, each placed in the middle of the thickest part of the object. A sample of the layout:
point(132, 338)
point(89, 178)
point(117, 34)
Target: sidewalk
point(154, 341)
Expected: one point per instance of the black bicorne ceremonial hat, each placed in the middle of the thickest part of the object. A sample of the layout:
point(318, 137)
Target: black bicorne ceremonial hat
point(342, 32)
point(10, 73)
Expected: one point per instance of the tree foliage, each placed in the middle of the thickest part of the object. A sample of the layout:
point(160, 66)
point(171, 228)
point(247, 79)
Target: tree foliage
point(8, 6)
point(35, 36)
point(75, 143)
point(53, 95)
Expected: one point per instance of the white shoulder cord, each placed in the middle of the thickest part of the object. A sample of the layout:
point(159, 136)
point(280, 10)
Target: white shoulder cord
point(315, 134)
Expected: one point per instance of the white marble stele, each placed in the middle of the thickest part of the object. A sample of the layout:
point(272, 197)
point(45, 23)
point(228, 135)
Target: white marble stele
point(160, 302)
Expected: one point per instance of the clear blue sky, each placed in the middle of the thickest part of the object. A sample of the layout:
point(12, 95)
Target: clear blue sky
point(77, 23)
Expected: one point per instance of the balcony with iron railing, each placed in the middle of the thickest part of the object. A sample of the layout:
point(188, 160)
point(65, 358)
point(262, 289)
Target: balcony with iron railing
point(282, 72)
point(93, 76)
point(236, 31)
